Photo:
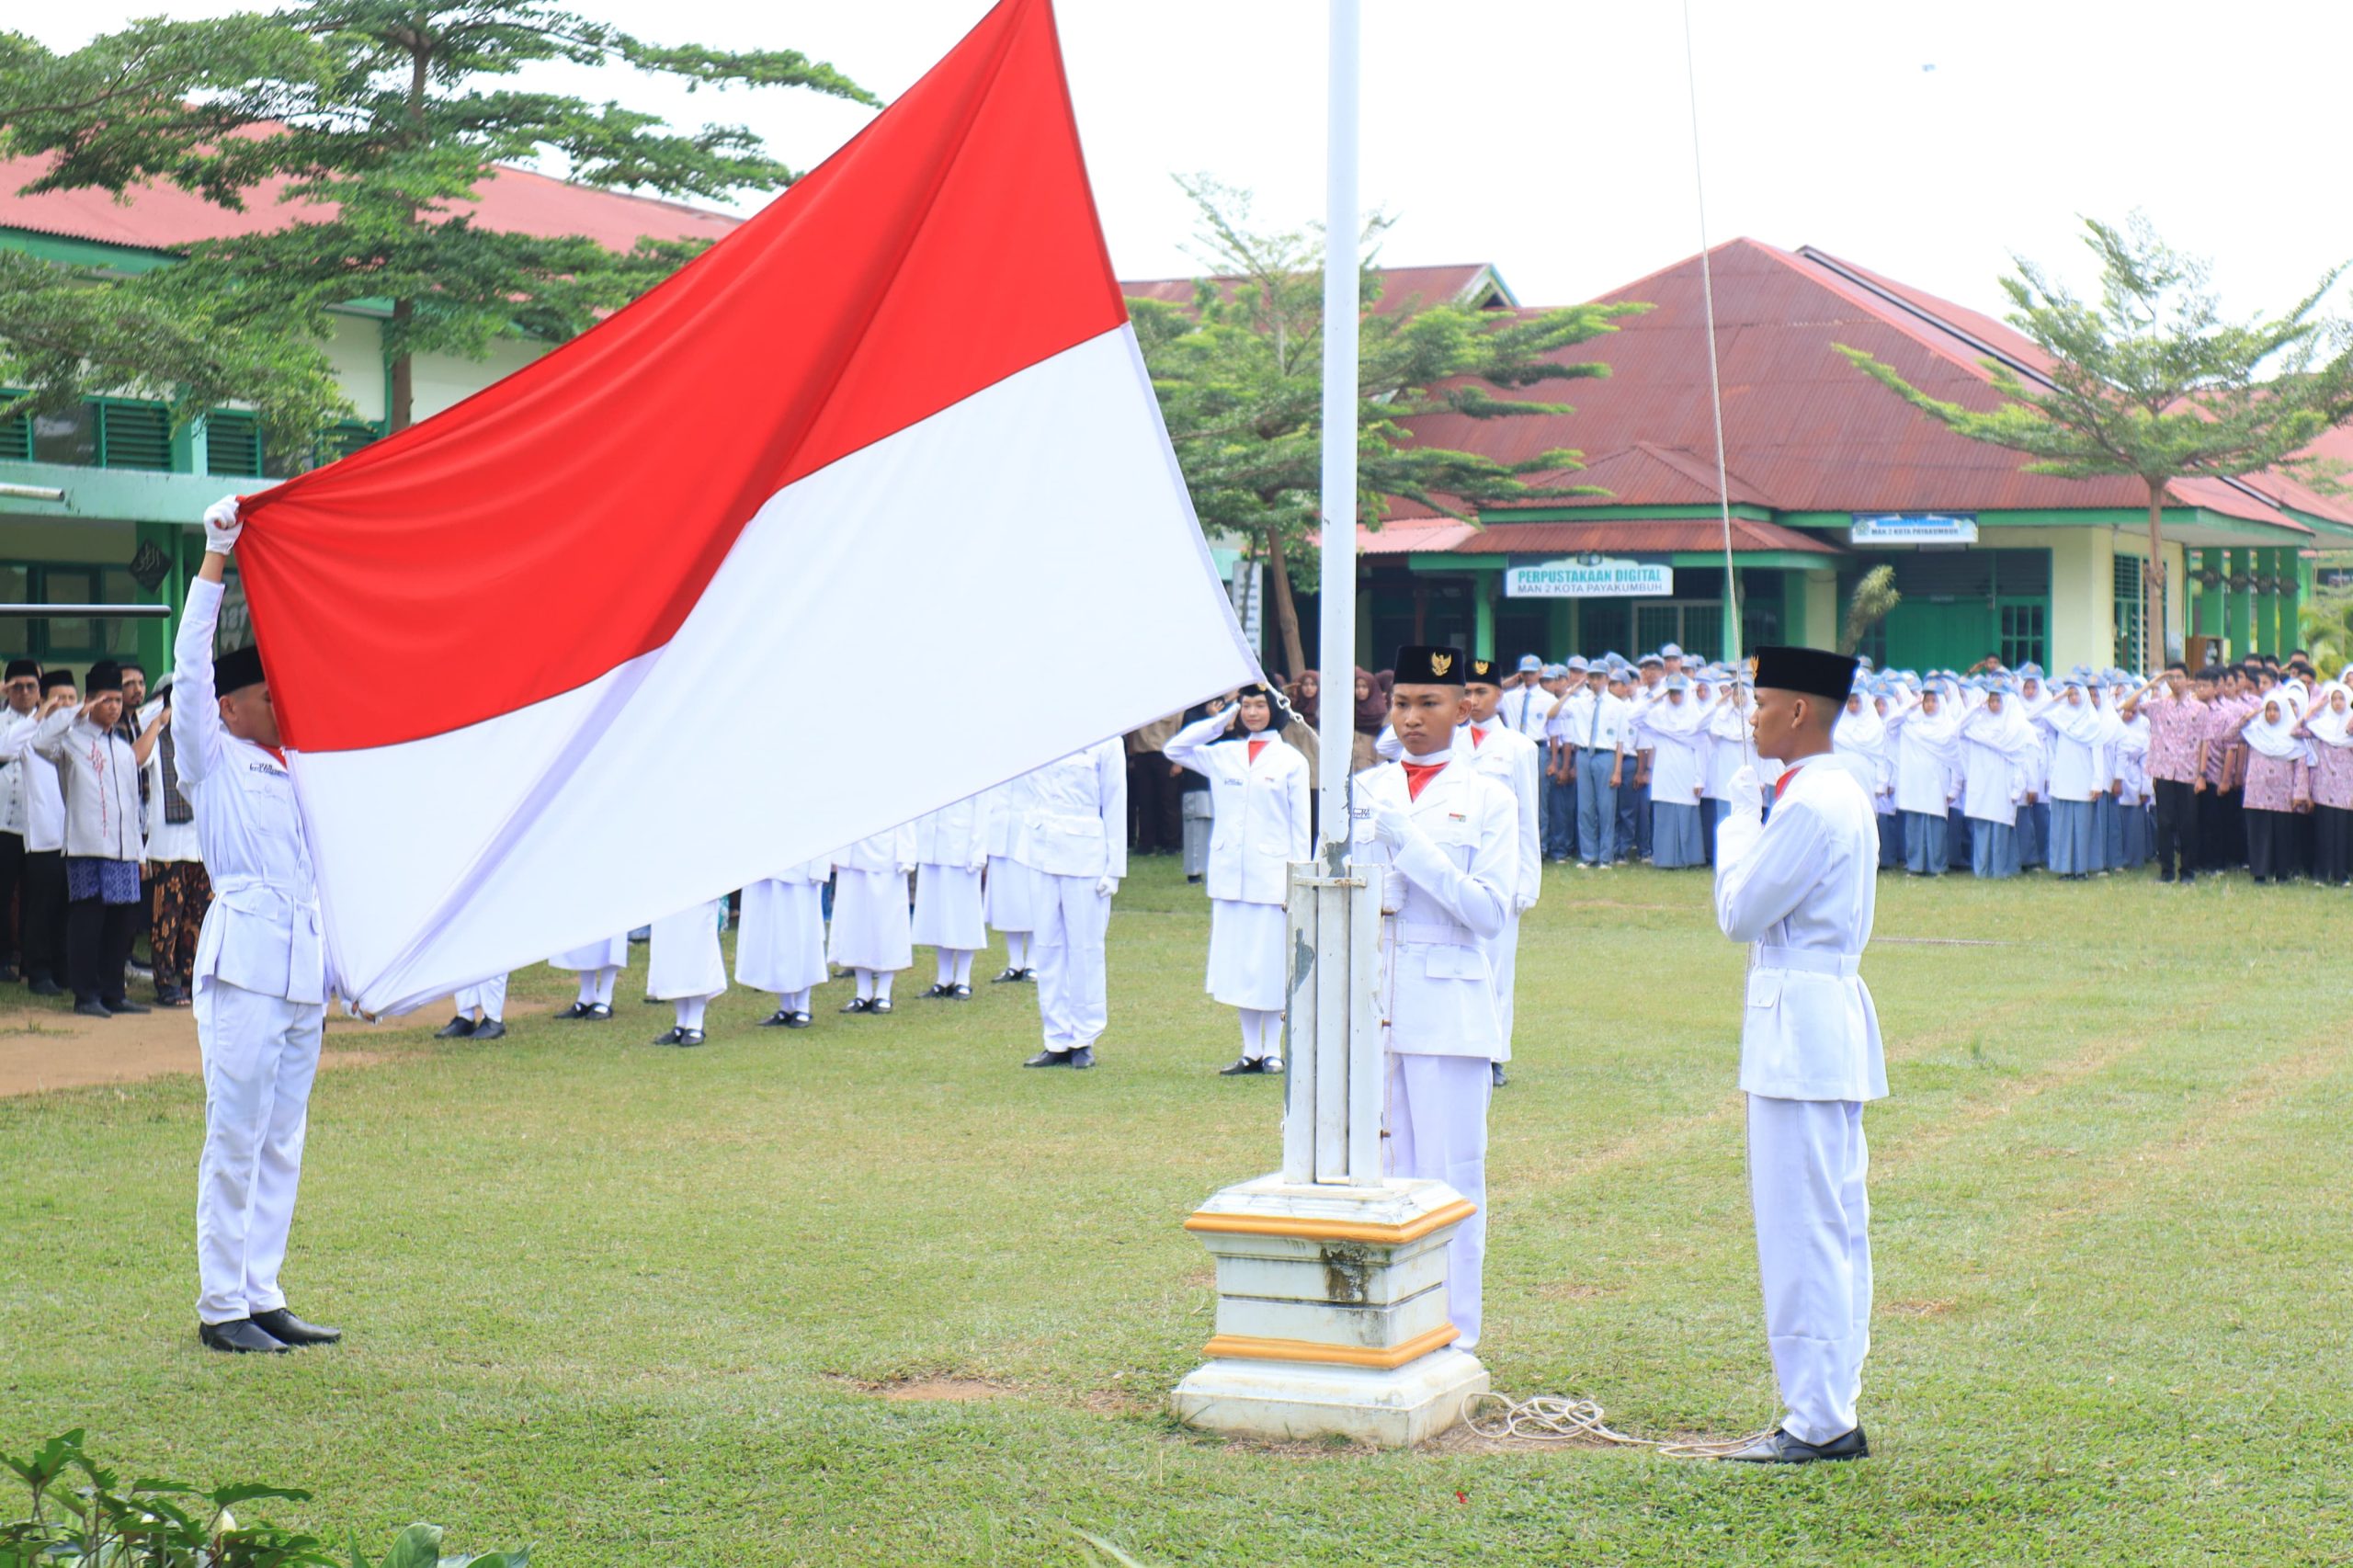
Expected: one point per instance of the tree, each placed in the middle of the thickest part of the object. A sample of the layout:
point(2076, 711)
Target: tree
point(1874, 600)
point(384, 118)
point(2153, 382)
point(1239, 374)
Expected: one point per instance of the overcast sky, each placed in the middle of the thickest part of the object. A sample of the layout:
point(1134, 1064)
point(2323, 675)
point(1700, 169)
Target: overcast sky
point(1927, 139)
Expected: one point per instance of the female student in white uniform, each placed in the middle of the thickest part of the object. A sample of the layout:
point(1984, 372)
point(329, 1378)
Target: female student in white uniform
point(686, 968)
point(597, 965)
point(781, 940)
point(873, 933)
point(951, 850)
point(1259, 826)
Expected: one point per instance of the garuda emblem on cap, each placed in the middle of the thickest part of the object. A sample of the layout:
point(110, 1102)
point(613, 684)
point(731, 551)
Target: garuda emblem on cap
point(1442, 663)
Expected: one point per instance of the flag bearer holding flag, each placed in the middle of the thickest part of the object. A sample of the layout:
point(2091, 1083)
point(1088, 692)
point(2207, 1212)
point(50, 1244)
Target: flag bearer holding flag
point(1447, 840)
point(1801, 887)
point(260, 974)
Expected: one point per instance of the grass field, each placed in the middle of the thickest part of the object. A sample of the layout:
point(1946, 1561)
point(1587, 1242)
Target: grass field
point(639, 1306)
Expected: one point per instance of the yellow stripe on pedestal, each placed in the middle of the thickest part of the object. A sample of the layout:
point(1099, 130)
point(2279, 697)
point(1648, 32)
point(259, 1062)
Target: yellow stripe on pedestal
point(1305, 1230)
point(1250, 1347)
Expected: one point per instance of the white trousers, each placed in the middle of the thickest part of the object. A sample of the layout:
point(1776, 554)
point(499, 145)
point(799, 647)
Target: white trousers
point(1502, 957)
point(1438, 1130)
point(1806, 1167)
point(260, 1054)
point(1073, 1000)
point(490, 996)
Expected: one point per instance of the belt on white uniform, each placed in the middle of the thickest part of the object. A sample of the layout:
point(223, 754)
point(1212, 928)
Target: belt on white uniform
point(1435, 934)
point(1812, 960)
point(227, 888)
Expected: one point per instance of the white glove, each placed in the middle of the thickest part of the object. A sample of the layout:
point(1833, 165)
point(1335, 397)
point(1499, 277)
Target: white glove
point(1107, 887)
point(1390, 823)
point(1747, 794)
point(222, 526)
point(1521, 903)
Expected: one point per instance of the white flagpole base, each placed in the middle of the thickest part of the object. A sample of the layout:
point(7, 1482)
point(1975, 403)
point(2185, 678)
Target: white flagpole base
point(1331, 1315)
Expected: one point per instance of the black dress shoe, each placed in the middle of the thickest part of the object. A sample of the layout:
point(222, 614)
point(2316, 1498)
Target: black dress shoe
point(798, 1021)
point(879, 1005)
point(680, 1037)
point(578, 1011)
point(960, 992)
point(1496, 1076)
point(858, 1005)
point(240, 1337)
point(1082, 1057)
point(285, 1327)
point(1006, 977)
point(1237, 1068)
point(458, 1028)
point(938, 993)
point(780, 1019)
point(45, 988)
point(93, 1009)
point(1777, 1447)
point(124, 1004)
point(1049, 1059)
point(1272, 1066)
point(1029, 977)
point(489, 1029)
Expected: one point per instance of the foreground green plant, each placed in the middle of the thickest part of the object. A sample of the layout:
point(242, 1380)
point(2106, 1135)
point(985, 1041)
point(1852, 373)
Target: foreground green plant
point(82, 1515)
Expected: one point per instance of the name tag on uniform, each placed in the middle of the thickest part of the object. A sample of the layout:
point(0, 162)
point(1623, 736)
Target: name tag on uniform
point(1456, 816)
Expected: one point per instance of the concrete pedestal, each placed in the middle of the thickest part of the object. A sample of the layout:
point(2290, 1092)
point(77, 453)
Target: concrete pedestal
point(1331, 1315)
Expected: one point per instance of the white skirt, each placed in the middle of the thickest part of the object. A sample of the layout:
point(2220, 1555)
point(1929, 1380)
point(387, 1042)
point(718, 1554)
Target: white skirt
point(948, 908)
point(1012, 895)
point(685, 960)
point(781, 940)
point(1246, 944)
point(870, 925)
point(610, 953)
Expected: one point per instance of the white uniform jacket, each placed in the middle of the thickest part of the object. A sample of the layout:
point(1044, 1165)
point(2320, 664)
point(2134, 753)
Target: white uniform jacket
point(44, 801)
point(1447, 891)
point(101, 774)
point(1258, 810)
point(262, 933)
point(892, 850)
point(12, 773)
point(955, 835)
point(1802, 887)
point(1074, 814)
point(1512, 760)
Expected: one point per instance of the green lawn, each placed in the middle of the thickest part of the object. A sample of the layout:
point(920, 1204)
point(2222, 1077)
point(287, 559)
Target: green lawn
point(632, 1305)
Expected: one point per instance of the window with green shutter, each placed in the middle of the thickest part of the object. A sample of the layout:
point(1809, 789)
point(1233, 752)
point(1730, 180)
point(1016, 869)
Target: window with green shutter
point(15, 439)
point(232, 443)
point(134, 434)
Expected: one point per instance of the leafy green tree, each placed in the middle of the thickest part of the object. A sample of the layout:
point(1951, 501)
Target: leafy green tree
point(384, 118)
point(2153, 383)
point(1239, 374)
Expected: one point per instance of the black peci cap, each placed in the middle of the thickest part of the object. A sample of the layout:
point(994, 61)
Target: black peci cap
point(19, 668)
point(105, 675)
point(237, 669)
point(1483, 672)
point(1807, 670)
point(54, 679)
point(1430, 666)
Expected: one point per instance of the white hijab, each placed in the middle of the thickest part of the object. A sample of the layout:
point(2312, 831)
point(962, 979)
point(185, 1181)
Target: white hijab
point(2327, 726)
point(2006, 731)
point(2278, 739)
point(1861, 730)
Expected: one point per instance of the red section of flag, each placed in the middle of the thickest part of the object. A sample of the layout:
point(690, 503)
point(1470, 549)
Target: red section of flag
point(565, 520)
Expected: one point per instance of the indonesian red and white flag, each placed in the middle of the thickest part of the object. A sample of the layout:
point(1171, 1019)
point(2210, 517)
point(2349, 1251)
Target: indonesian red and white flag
point(864, 511)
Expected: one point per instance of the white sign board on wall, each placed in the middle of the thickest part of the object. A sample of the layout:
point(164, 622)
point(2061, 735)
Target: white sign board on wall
point(1912, 528)
point(1594, 578)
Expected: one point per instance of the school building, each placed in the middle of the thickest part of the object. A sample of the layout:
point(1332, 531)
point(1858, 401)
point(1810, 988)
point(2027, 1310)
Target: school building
point(128, 527)
point(1829, 475)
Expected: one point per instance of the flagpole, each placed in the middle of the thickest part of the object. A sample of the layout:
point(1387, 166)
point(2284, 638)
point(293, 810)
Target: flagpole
point(1336, 728)
point(1331, 1288)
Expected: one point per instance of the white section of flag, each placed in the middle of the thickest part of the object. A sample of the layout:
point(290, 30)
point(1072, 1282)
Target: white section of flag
point(993, 587)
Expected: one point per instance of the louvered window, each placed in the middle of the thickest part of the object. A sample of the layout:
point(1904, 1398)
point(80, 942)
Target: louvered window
point(134, 434)
point(15, 440)
point(231, 444)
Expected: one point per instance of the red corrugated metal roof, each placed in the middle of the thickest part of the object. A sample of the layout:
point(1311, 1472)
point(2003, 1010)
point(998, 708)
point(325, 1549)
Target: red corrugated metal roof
point(515, 202)
point(1803, 429)
point(1399, 285)
point(1642, 536)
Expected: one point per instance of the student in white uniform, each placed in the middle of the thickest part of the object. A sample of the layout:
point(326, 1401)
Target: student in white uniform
point(42, 897)
point(1926, 736)
point(1802, 886)
point(261, 974)
point(1671, 732)
point(1446, 839)
point(1011, 891)
point(781, 940)
point(873, 933)
point(482, 1012)
point(1074, 829)
point(1511, 760)
point(952, 852)
point(1259, 824)
point(178, 887)
point(22, 688)
point(597, 965)
point(685, 968)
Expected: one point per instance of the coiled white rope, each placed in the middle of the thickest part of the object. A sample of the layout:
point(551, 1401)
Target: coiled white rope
point(1548, 1418)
